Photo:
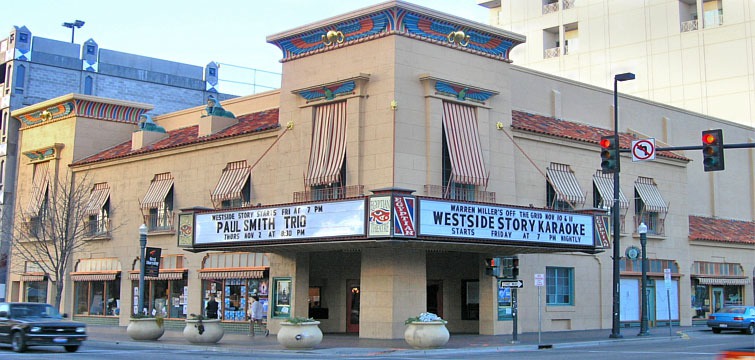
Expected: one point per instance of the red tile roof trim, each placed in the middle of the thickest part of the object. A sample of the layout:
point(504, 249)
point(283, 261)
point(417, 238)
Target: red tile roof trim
point(574, 131)
point(248, 124)
point(721, 230)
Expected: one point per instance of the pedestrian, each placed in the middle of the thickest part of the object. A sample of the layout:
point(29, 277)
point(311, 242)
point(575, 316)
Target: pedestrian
point(211, 309)
point(256, 316)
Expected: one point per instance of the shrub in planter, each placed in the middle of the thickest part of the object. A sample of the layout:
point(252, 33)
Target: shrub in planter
point(200, 330)
point(299, 333)
point(145, 327)
point(426, 331)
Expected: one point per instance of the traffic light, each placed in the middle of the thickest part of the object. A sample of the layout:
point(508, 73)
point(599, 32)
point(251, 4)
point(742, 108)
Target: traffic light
point(713, 150)
point(609, 154)
point(493, 266)
point(510, 267)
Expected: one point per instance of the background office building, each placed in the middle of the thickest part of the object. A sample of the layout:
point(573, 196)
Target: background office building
point(693, 54)
point(35, 69)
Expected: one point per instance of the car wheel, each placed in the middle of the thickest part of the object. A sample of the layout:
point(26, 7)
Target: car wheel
point(750, 329)
point(71, 348)
point(716, 330)
point(18, 343)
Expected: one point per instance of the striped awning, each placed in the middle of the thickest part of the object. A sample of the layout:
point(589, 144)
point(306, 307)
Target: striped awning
point(33, 277)
point(328, 150)
point(463, 141)
point(158, 190)
point(210, 274)
point(650, 195)
point(604, 183)
point(232, 181)
point(97, 198)
point(724, 281)
point(169, 274)
point(103, 276)
point(565, 183)
point(39, 186)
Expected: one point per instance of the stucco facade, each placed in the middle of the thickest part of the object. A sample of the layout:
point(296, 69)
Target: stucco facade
point(392, 84)
point(692, 54)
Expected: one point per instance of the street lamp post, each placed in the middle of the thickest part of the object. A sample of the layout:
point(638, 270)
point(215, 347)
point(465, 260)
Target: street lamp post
point(142, 256)
point(73, 26)
point(643, 230)
point(615, 330)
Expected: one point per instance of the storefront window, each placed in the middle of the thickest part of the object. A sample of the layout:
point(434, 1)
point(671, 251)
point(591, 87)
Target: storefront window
point(164, 297)
point(35, 291)
point(97, 297)
point(233, 296)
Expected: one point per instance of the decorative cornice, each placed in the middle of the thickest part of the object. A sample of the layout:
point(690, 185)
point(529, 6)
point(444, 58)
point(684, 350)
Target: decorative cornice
point(458, 91)
point(396, 18)
point(73, 105)
point(44, 154)
point(330, 91)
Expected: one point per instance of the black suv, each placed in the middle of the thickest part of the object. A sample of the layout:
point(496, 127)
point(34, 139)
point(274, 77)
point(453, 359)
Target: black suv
point(36, 324)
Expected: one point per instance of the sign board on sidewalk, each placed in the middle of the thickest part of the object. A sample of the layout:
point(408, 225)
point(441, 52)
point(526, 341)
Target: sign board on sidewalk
point(511, 284)
point(667, 278)
point(539, 279)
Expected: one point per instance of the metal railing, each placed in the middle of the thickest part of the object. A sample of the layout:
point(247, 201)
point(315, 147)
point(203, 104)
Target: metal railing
point(655, 224)
point(551, 53)
point(689, 25)
point(458, 193)
point(160, 221)
point(331, 193)
point(568, 4)
point(98, 228)
point(549, 8)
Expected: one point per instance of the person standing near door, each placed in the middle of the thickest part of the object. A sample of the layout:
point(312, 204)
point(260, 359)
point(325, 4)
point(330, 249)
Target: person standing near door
point(256, 316)
point(211, 310)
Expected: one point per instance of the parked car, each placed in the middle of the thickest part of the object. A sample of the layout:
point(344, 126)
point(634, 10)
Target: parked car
point(37, 324)
point(733, 318)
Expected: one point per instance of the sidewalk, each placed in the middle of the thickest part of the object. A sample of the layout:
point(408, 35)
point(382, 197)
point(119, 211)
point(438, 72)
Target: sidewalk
point(352, 345)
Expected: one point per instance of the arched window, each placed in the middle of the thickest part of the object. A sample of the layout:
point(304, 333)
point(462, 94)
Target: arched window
point(88, 85)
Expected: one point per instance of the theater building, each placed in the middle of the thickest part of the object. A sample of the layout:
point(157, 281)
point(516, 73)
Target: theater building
point(402, 151)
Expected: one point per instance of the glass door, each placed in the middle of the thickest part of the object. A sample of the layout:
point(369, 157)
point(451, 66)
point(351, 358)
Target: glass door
point(718, 299)
point(352, 306)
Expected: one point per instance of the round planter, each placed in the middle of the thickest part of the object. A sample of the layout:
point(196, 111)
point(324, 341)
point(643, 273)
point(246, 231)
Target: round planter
point(144, 329)
point(299, 336)
point(212, 333)
point(426, 335)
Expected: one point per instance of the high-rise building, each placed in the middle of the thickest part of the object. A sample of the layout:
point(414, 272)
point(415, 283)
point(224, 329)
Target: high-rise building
point(692, 54)
point(34, 69)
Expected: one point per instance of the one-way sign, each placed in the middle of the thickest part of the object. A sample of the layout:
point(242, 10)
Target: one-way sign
point(511, 284)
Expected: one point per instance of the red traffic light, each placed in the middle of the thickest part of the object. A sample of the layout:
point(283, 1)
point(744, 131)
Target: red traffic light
point(709, 138)
point(606, 142)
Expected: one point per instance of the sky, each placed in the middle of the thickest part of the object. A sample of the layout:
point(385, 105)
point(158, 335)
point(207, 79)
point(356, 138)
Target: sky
point(229, 32)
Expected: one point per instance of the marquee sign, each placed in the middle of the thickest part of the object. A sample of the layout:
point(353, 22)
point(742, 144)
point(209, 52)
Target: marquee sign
point(302, 221)
point(465, 220)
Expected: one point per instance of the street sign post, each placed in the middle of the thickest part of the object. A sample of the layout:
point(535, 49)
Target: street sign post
point(667, 282)
point(539, 282)
point(643, 149)
point(511, 284)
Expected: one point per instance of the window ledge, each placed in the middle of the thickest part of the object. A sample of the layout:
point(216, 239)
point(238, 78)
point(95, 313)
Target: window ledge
point(98, 237)
point(651, 236)
point(560, 308)
point(161, 232)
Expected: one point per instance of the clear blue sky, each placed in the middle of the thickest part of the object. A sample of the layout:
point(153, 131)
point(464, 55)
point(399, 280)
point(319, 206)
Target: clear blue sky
point(193, 32)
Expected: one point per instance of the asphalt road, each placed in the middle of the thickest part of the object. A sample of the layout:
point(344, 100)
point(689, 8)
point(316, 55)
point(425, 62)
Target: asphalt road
point(700, 345)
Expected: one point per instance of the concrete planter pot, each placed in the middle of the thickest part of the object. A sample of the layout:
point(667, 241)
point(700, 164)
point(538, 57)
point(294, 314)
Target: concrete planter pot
point(426, 335)
point(212, 331)
point(145, 329)
point(304, 335)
